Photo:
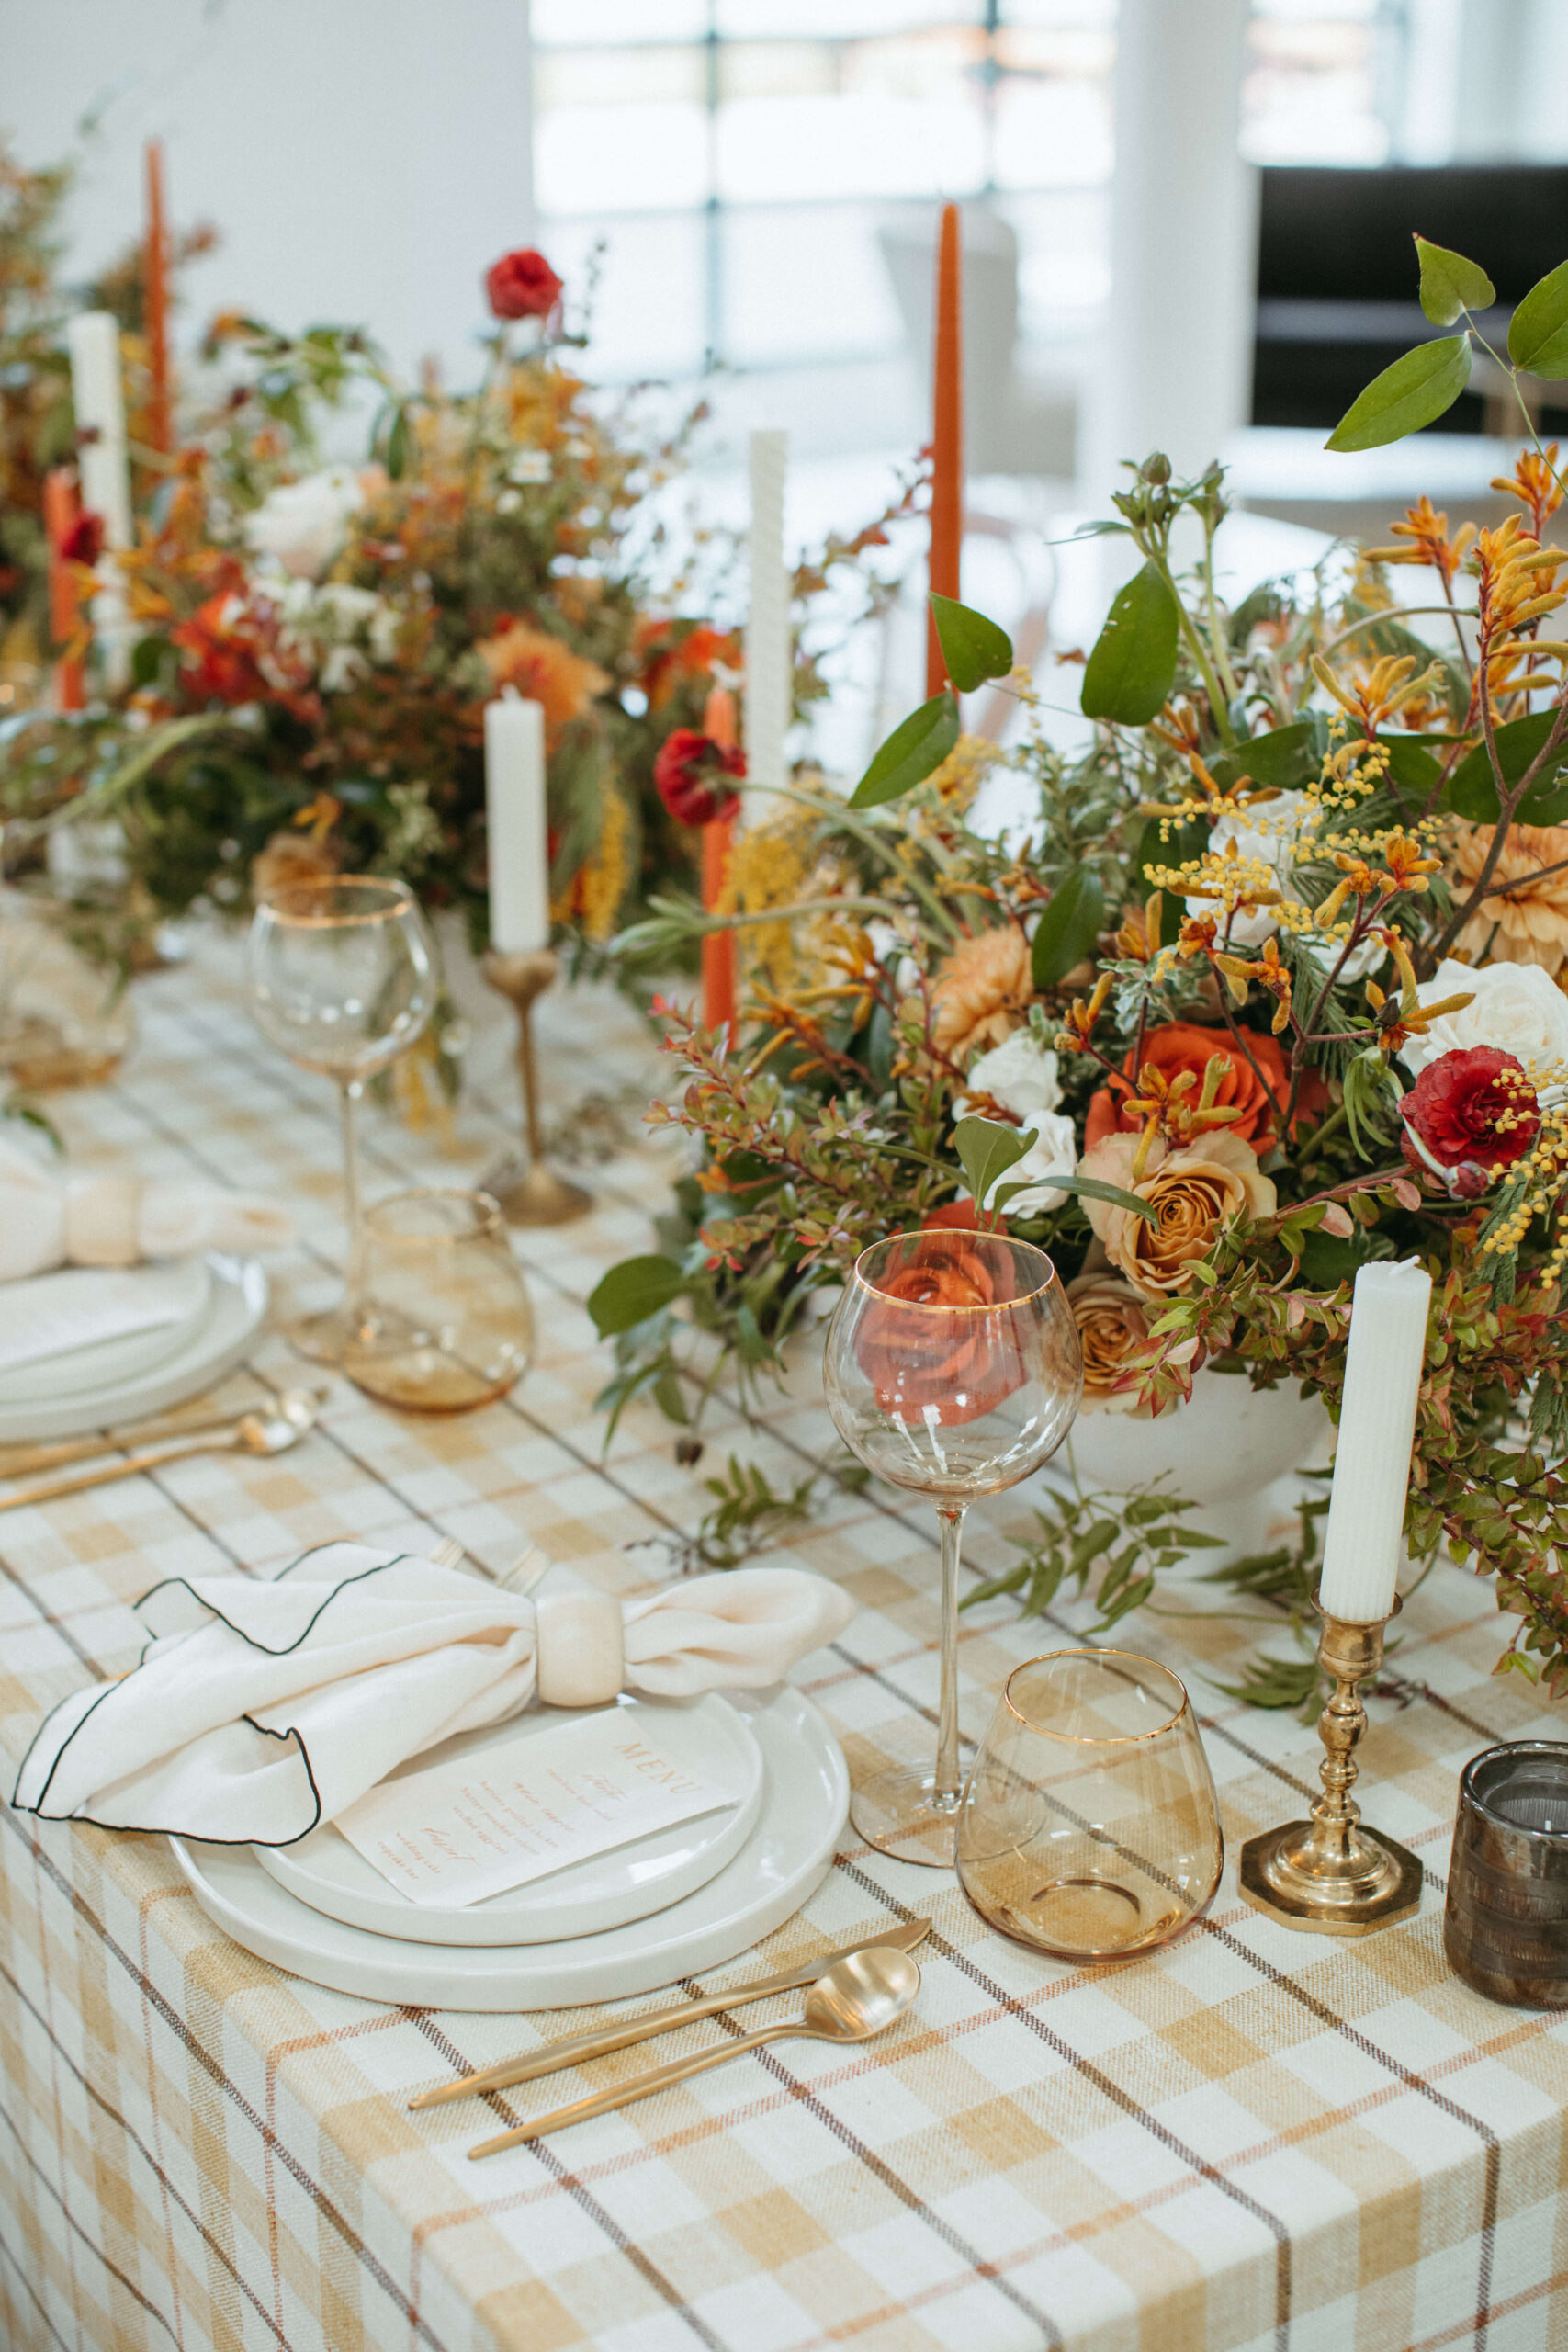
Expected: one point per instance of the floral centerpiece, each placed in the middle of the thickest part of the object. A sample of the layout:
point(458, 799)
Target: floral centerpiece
point(1271, 983)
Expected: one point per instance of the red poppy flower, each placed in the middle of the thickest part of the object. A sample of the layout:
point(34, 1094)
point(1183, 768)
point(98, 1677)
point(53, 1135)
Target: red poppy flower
point(84, 542)
point(690, 773)
point(521, 284)
point(1469, 1115)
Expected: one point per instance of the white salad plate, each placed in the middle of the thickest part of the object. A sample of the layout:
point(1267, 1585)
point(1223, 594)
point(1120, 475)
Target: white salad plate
point(806, 1802)
point(610, 1890)
point(222, 1337)
point(157, 1307)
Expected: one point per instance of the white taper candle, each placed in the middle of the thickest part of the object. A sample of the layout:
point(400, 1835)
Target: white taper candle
point(1377, 1430)
point(515, 813)
point(766, 709)
point(91, 339)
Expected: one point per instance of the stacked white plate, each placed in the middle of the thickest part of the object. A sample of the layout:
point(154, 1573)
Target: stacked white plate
point(90, 1346)
point(643, 1916)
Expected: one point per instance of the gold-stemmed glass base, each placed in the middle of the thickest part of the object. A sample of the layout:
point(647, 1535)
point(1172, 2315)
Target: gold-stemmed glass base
point(532, 1193)
point(903, 1813)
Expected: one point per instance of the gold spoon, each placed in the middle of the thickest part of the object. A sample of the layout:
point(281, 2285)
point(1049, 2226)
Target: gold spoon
point(21, 1461)
point(270, 1431)
point(856, 1998)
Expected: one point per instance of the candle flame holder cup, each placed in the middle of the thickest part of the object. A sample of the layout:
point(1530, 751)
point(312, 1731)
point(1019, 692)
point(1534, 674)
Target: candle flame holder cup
point(1331, 1875)
point(525, 1189)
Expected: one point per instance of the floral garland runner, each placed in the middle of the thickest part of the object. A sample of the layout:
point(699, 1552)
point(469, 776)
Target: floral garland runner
point(1274, 985)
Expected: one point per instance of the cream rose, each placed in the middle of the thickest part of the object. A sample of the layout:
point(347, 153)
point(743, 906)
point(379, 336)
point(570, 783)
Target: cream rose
point(1191, 1192)
point(1516, 1007)
point(301, 524)
point(1112, 1325)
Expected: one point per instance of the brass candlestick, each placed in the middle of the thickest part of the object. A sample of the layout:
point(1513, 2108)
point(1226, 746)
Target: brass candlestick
point(1332, 1875)
point(528, 1191)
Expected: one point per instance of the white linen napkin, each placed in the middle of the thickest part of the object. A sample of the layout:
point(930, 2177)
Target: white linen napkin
point(54, 1216)
point(262, 1708)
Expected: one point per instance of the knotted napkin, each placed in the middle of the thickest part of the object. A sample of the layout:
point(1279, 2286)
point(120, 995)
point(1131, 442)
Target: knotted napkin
point(54, 1216)
point(261, 1708)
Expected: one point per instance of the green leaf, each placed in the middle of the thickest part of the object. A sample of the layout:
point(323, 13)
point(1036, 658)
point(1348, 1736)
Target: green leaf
point(910, 753)
point(633, 1291)
point(1538, 332)
point(1472, 788)
point(1451, 285)
point(668, 1397)
point(1406, 396)
point(1092, 1189)
point(1133, 667)
point(1412, 766)
point(398, 446)
point(987, 1150)
point(1067, 929)
point(1285, 757)
point(972, 648)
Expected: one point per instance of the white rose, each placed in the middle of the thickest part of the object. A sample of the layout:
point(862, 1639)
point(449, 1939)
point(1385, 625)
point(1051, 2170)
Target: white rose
point(1020, 1074)
point(1270, 833)
point(1053, 1152)
point(1516, 1007)
point(301, 523)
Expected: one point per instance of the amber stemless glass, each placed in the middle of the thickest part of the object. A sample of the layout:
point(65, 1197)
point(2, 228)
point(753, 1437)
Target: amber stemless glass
point(953, 1367)
point(1090, 1827)
point(342, 978)
point(444, 1320)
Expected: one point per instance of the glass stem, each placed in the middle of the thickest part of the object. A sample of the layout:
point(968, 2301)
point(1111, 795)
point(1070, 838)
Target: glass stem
point(948, 1780)
point(354, 1269)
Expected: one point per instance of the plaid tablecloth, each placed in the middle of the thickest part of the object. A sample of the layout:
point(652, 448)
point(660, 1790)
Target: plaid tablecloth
point(1253, 2138)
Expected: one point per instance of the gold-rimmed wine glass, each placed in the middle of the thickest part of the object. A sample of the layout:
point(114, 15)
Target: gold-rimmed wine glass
point(953, 1367)
point(342, 980)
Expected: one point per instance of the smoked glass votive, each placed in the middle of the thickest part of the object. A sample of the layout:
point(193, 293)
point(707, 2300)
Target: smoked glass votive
point(1090, 1827)
point(1505, 1921)
point(443, 1322)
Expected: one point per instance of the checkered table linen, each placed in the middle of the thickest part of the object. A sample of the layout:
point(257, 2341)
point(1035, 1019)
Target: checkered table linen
point(1252, 2139)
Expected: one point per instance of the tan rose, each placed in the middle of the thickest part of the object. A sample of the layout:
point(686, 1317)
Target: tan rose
point(982, 992)
point(1193, 1192)
point(1531, 924)
point(1112, 1325)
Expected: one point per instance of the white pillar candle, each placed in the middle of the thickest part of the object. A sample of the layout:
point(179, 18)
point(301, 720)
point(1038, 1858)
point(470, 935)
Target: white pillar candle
point(91, 339)
point(1377, 1430)
point(766, 712)
point(519, 840)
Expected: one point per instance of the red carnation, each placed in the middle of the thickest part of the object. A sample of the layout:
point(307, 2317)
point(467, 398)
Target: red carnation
point(522, 286)
point(1469, 1115)
point(84, 542)
point(690, 773)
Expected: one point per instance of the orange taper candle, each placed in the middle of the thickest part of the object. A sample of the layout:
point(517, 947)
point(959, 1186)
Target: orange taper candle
point(60, 508)
point(947, 435)
point(719, 947)
point(160, 420)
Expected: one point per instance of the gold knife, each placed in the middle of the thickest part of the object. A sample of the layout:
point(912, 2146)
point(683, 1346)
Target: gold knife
point(604, 2039)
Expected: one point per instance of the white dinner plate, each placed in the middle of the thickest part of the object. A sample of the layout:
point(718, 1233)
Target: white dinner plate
point(222, 1338)
point(606, 1891)
point(806, 1803)
point(179, 1296)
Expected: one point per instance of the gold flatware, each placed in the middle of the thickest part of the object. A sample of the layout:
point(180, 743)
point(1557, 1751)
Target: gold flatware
point(599, 2043)
point(270, 1429)
point(25, 1460)
point(857, 1997)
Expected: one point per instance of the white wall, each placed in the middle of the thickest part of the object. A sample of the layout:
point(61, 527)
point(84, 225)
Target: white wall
point(365, 160)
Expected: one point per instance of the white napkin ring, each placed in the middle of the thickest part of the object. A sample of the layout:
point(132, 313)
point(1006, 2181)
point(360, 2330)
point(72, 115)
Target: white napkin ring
point(102, 1220)
point(580, 1661)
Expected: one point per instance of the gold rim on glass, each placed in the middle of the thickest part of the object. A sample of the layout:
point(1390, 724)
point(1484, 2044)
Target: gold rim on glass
point(285, 902)
point(486, 1208)
point(1091, 1739)
point(933, 1306)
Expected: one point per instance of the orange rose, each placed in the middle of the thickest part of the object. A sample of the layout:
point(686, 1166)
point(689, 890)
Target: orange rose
point(1193, 1192)
point(1184, 1046)
point(965, 1360)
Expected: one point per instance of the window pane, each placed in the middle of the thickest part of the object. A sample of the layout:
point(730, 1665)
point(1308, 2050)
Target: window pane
point(617, 21)
point(649, 310)
point(621, 159)
point(1052, 134)
point(805, 285)
point(843, 20)
point(858, 144)
point(1310, 93)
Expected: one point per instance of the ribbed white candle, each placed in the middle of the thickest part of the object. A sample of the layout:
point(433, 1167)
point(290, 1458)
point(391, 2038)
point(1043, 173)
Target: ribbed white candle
point(91, 339)
point(515, 820)
point(766, 710)
point(1377, 1429)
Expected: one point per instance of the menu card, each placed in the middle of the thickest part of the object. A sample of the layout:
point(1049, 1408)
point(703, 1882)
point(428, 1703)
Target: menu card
point(461, 1832)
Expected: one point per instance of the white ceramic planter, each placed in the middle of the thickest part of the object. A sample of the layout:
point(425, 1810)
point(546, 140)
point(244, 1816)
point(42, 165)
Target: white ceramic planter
point(1231, 1449)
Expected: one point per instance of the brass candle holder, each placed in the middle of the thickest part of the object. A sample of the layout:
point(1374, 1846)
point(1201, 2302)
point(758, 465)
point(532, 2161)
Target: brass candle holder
point(528, 1191)
point(1332, 1875)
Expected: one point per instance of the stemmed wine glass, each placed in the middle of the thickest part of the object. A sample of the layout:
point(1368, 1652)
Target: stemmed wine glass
point(342, 978)
point(953, 1367)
